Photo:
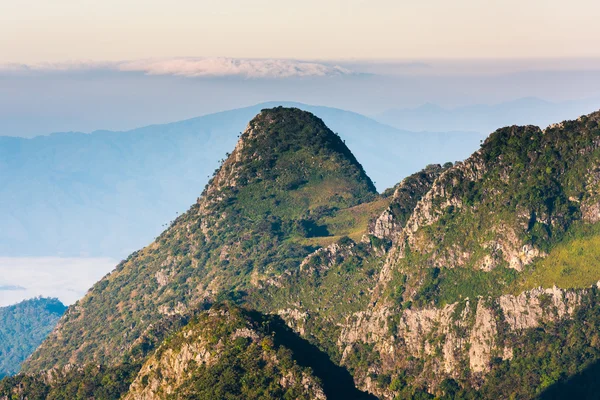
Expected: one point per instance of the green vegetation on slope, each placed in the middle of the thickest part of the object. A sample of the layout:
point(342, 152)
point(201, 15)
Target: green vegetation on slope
point(224, 353)
point(574, 263)
point(350, 222)
point(91, 382)
point(23, 327)
point(328, 288)
point(287, 164)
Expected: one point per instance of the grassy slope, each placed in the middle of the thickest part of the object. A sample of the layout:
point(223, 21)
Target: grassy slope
point(574, 263)
point(351, 222)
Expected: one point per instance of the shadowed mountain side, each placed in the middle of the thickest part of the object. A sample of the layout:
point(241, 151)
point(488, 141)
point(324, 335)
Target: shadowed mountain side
point(337, 381)
point(584, 386)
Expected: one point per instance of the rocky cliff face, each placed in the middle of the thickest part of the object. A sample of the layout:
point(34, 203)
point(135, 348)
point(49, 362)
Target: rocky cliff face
point(458, 340)
point(447, 197)
point(590, 208)
point(405, 198)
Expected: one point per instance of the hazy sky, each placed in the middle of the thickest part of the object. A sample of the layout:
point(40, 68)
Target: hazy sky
point(59, 30)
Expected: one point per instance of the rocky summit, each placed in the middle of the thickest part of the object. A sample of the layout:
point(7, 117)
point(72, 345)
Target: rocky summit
point(292, 278)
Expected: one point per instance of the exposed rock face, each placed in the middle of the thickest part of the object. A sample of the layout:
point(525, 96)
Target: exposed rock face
point(325, 257)
point(173, 367)
point(405, 198)
point(161, 278)
point(416, 325)
point(530, 308)
point(590, 208)
point(591, 212)
point(434, 204)
point(307, 383)
point(512, 250)
point(384, 226)
point(366, 326)
point(431, 207)
point(482, 339)
point(294, 318)
point(459, 334)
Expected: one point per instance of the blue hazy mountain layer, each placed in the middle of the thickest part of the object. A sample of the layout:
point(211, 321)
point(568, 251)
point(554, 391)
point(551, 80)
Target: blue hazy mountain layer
point(109, 193)
point(485, 118)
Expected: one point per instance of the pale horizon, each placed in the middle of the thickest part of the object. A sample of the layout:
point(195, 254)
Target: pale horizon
point(66, 30)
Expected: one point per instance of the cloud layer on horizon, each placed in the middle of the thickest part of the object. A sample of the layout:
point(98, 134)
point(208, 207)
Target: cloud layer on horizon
point(195, 67)
point(273, 68)
point(68, 279)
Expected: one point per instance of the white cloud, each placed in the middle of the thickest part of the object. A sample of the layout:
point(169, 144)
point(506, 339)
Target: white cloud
point(68, 279)
point(247, 68)
point(197, 67)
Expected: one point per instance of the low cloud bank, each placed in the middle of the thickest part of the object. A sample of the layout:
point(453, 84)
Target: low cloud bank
point(68, 279)
point(274, 68)
point(196, 67)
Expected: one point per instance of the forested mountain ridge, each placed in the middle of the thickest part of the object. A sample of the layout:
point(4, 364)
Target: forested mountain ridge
point(471, 280)
point(23, 327)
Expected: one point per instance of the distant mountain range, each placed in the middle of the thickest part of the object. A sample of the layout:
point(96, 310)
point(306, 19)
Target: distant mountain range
point(107, 193)
point(485, 118)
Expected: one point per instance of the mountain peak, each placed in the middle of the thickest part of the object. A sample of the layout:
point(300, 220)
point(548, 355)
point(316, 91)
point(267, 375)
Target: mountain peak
point(289, 152)
point(287, 174)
